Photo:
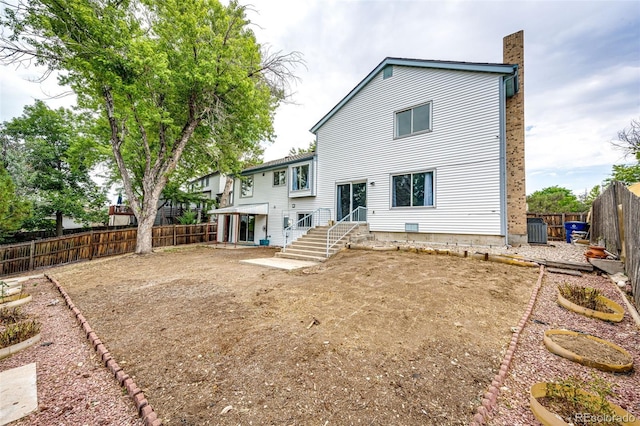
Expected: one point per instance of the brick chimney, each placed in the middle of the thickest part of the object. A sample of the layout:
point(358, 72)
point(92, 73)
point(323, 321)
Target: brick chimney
point(513, 53)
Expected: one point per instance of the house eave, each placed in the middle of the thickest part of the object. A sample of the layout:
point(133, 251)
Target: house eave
point(279, 165)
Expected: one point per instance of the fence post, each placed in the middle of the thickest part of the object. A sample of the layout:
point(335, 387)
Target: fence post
point(91, 246)
point(206, 232)
point(32, 249)
point(174, 234)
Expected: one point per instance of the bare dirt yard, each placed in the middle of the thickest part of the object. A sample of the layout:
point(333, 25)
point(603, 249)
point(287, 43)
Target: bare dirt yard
point(368, 337)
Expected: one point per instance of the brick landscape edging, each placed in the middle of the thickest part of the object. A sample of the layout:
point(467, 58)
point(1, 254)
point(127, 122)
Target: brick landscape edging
point(490, 399)
point(145, 411)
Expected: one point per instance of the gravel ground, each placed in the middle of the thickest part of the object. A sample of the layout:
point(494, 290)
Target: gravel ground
point(533, 363)
point(74, 389)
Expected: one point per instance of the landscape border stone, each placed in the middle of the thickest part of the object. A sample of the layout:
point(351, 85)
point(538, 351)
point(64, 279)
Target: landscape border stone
point(139, 400)
point(491, 396)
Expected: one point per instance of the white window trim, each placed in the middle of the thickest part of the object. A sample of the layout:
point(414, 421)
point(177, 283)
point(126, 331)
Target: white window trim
point(310, 219)
point(309, 180)
point(395, 120)
point(253, 182)
point(273, 175)
point(433, 206)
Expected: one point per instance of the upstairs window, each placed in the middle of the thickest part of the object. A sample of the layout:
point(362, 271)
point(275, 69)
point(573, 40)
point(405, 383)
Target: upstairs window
point(412, 190)
point(279, 178)
point(300, 178)
point(246, 187)
point(413, 120)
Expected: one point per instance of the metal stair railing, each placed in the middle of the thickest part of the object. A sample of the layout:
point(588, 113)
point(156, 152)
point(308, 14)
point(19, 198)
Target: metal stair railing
point(292, 232)
point(344, 226)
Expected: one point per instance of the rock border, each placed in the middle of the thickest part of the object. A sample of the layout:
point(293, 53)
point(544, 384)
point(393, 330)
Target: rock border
point(490, 399)
point(145, 411)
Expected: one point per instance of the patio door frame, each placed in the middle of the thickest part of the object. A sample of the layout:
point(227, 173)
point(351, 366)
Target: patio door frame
point(353, 201)
point(244, 234)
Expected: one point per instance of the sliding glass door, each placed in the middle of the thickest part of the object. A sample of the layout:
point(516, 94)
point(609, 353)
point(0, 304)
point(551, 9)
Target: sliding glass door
point(247, 227)
point(350, 196)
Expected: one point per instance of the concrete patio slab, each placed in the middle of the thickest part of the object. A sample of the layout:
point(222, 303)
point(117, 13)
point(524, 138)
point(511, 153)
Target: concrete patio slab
point(18, 393)
point(280, 263)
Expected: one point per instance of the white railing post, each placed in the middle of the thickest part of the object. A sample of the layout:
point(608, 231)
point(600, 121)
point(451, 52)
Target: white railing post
point(313, 219)
point(343, 227)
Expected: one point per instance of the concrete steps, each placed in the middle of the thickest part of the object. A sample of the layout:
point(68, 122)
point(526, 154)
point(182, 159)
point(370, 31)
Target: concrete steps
point(313, 245)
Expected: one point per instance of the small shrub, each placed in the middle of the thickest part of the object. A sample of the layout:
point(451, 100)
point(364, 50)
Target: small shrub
point(564, 399)
point(11, 315)
point(584, 296)
point(188, 218)
point(18, 332)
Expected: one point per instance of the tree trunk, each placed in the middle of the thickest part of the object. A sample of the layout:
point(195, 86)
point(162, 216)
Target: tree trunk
point(226, 193)
point(144, 239)
point(59, 223)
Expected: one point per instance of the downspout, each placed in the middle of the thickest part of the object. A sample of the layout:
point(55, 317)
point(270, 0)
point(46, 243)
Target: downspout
point(503, 159)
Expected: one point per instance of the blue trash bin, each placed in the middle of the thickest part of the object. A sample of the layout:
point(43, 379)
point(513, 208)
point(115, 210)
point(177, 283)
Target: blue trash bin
point(569, 227)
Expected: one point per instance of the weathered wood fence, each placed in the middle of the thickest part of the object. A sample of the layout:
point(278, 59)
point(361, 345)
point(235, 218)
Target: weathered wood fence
point(28, 256)
point(616, 224)
point(555, 223)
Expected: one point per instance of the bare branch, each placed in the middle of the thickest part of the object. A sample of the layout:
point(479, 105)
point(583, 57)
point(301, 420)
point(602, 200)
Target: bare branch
point(278, 71)
point(629, 140)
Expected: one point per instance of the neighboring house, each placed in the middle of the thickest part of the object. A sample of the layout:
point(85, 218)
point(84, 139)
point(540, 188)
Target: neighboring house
point(211, 186)
point(266, 200)
point(433, 150)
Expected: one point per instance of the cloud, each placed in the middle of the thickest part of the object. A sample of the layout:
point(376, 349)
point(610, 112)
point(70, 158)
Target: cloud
point(582, 65)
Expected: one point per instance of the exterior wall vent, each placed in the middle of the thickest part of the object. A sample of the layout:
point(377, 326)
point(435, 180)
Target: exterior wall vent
point(411, 227)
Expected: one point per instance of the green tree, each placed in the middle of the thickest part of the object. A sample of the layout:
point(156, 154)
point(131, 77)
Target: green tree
point(554, 199)
point(177, 82)
point(14, 210)
point(310, 148)
point(627, 174)
point(55, 175)
point(588, 197)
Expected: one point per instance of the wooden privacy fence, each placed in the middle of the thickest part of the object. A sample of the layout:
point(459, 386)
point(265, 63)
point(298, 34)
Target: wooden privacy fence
point(616, 224)
point(555, 223)
point(32, 255)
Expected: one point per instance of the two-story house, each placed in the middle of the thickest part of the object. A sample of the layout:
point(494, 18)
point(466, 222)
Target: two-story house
point(426, 150)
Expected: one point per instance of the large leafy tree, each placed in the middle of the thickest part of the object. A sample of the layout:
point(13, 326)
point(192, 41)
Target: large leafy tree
point(177, 83)
point(54, 171)
point(14, 210)
point(554, 199)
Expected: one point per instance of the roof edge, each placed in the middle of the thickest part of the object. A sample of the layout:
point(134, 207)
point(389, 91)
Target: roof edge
point(279, 163)
point(420, 63)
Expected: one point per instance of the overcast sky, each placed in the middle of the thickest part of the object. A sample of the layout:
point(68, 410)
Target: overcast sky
point(582, 68)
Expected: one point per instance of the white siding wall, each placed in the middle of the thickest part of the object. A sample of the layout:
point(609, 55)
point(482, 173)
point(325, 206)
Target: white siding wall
point(463, 149)
point(276, 196)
